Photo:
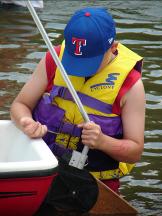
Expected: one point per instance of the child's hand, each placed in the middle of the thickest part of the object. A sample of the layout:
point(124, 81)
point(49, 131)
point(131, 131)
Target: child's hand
point(91, 135)
point(32, 128)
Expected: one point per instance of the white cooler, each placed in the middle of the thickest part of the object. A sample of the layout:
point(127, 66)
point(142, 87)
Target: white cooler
point(27, 168)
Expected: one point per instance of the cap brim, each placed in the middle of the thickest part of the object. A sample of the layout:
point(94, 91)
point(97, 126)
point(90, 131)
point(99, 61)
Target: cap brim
point(83, 67)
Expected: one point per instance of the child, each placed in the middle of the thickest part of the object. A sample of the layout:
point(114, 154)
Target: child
point(107, 78)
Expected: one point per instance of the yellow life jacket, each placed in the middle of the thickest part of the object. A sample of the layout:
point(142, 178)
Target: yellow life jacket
point(103, 86)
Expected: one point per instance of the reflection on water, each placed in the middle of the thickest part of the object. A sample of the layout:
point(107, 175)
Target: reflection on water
point(139, 26)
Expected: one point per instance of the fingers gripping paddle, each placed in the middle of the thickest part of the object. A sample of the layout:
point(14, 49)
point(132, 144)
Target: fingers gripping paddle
point(75, 189)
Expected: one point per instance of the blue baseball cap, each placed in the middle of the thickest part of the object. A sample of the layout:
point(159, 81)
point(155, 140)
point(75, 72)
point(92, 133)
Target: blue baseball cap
point(88, 35)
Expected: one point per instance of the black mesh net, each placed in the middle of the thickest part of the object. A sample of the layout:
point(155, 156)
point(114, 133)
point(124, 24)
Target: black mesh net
point(73, 190)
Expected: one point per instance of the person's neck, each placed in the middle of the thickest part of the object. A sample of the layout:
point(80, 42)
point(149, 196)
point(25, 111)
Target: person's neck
point(107, 60)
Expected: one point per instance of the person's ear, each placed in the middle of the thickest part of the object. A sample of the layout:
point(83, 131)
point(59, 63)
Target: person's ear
point(114, 46)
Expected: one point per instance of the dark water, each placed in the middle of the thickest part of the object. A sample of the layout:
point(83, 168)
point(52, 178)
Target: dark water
point(139, 26)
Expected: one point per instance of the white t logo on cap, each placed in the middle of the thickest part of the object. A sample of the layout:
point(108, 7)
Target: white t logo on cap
point(79, 43)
